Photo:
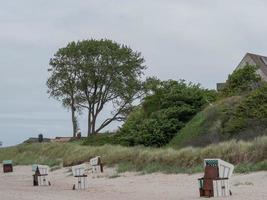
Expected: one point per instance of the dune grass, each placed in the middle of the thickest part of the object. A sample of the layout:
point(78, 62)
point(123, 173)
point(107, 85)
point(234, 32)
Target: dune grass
point(207, 127)
point(247, 156)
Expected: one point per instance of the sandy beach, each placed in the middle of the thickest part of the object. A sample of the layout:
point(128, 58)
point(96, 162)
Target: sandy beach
point(18, 186)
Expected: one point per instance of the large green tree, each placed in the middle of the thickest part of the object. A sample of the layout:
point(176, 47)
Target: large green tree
point(105, 75)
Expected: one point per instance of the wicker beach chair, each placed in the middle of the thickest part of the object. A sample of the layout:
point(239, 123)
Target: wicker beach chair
point(215, 182)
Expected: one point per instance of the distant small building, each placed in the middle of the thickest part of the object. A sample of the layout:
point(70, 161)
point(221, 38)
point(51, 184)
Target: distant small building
point(220, 86)
point(61, 139)
point(36, 140)
point(254, 60)
point(56, 139)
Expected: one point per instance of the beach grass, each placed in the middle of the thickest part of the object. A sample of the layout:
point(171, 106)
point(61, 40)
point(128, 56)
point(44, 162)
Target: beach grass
point(246, 156)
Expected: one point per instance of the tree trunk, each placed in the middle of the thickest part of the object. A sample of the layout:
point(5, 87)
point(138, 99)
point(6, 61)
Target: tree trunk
point(89, 123)
point(74, 121)
point(93, 125)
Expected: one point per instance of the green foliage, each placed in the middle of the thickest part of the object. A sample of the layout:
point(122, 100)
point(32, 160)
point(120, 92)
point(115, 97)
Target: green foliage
point(101, 139)
point(163, 113)
point(241, 81)
point(255, 105)
point(252, 111)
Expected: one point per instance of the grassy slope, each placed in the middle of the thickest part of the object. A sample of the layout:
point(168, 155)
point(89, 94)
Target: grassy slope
point(248, 156)
point(212, 126)
point(241, 117)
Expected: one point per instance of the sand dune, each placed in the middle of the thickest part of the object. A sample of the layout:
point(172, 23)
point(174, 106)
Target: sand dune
point(130, 186)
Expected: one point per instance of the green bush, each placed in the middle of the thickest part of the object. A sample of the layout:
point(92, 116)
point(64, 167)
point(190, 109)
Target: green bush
point(101, 139)
point(241, 81)
point(252, 111)
point(162, 114)
point(255, 105)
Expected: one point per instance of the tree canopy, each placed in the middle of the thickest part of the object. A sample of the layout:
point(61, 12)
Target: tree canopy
point(94, 74)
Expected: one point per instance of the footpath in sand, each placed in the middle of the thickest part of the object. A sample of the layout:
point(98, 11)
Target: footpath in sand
point(129, 186)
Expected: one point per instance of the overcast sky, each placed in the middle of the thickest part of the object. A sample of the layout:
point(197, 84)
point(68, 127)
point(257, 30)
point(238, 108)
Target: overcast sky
point(198, 40)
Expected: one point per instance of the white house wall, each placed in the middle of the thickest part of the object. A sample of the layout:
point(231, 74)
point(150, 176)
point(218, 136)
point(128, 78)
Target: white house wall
point(246, 60)
point(263, 76)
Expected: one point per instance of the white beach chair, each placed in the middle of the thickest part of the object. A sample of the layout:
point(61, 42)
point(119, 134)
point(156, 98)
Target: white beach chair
point(42, 174)
point(221, 187)
point(97, 166)
point(218, 186)
point(78, 172)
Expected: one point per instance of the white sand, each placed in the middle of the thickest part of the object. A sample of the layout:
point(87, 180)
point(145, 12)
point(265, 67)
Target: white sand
point(18, 186)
